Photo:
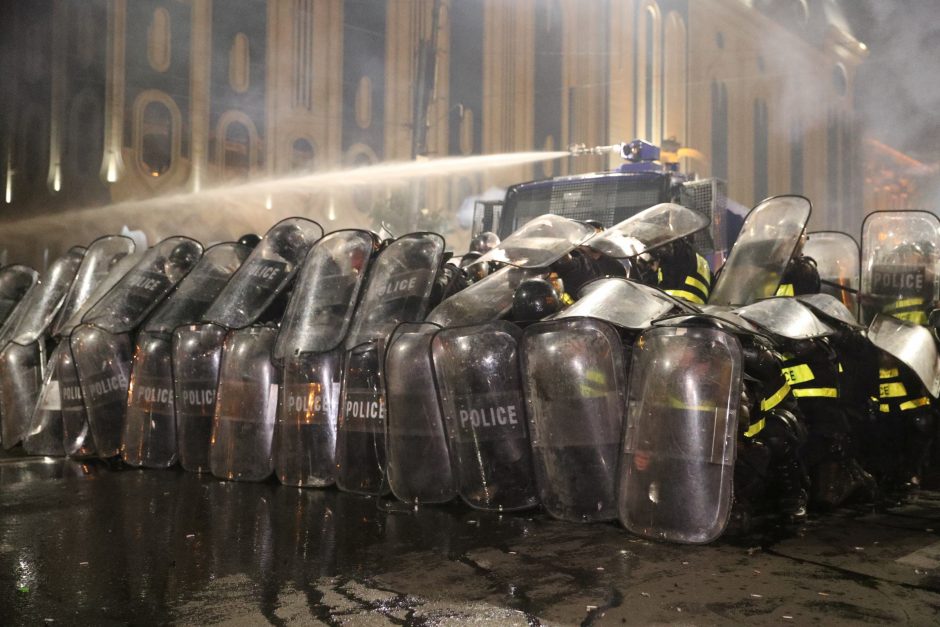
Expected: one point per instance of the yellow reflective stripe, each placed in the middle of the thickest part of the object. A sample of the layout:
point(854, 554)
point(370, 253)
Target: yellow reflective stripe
point(755, 428)
point(892, 390)
point(901, 304)
point(801, 373)
point(916, 317)
point(689, 296)
point(703, 268)
point(587, 391)
point(785, 289)
point(917, 402)
point(817, 392)
point(772, 401)
point(841, 369)
point(659, 275)
point(691, 280)
point(884, 408)
point(595, 375)
point(888, 373)
point(566, 299)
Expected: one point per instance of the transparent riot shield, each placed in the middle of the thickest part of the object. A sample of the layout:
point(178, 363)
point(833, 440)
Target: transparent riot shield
point(21, 373)
point(830, 307)
point(575, 394)
point(485, 300)
point(99, 262)
point(149, 436)
point(64, 325)
point(837, 258)
point(129, 302)
point(621, 302)
point(785, 317)
point(103, 364)
point(911, 344)
point(360, 437)
point(759, 257)
point(540, 242)
point(150, 423)
point(45, 434)
point(43, 300)
point(308, 409)
point(648, 229)
point(679, 444)
point(77, 440)
point(900, 259)
point(480, 390)
point(15, 281)
point(325, 295)
point(197, 356)
point(266, 273)
point(243, 428)
point(398, 288)
point(419, 469)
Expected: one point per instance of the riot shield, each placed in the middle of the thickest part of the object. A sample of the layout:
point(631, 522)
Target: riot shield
point(679, 443)
point(98, 263)
point(539, 242)
point(265, 274)
point(485, 300)
point(45, 434)
point(15, 281)
point(574, 387)
point(621, 302)
point(149, 436)
point(21, 373)
point(103, 363)
point(64, 325)
point(900, 259)
point(243, 428)
point(758, 259)
point(419, 468)
point(398, 288)
point(785, 317)
point(150, 425)
point(360, 436)
point(77, 440)
point(648, 229)
point(22, 367)
point(480, 390)
point(129, 302)
point(325, 296)
point(43, 300)
point(911, 344)
point(197, 356)
point(305, 442)
point(837, 257)
point(830, 307)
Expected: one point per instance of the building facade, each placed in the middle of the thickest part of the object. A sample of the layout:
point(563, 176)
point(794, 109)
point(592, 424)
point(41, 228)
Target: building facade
point(114, 100)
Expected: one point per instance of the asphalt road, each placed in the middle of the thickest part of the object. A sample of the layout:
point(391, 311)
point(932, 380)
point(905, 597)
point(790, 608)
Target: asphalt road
point(87, 544)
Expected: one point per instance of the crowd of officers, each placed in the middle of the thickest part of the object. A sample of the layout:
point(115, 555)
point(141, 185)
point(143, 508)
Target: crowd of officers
point(824, 422)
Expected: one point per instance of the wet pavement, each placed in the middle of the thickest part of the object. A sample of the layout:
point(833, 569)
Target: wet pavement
point(89, 544)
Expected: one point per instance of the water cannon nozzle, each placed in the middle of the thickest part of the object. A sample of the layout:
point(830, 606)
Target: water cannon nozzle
point(577, 150)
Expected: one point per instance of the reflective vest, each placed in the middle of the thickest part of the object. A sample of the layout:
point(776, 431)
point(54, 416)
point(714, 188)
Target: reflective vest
point(812, 377)
point(894, 384)
point(909, 309)
point(694, 286)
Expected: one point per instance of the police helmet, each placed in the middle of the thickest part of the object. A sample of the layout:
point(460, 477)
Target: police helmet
point(485, 241)
point(803, 275)
point(181, 259)
point(249, 239)
point(533, 300)
point(285, 239)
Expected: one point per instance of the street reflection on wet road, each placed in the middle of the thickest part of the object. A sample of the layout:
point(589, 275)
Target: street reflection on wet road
point(84, 543)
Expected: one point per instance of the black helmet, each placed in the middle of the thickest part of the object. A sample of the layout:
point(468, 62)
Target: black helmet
point(285, 240)
point(181, 259)
point(487, 240)
point(249, 239)
point(803, 275)
point(533, 300)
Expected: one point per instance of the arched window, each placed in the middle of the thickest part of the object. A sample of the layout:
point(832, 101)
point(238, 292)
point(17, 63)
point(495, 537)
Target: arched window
point(761, 150)
point(239, 68)
point(158, 40)
point(156, 149)
point(302, 155)
point(719, 130)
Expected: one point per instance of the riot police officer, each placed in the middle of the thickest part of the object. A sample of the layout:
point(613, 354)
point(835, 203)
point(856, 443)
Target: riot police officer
point(682, 272)
point(800, 277)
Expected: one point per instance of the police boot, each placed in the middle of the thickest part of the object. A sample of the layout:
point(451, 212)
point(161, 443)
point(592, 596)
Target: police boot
point(793, 495)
